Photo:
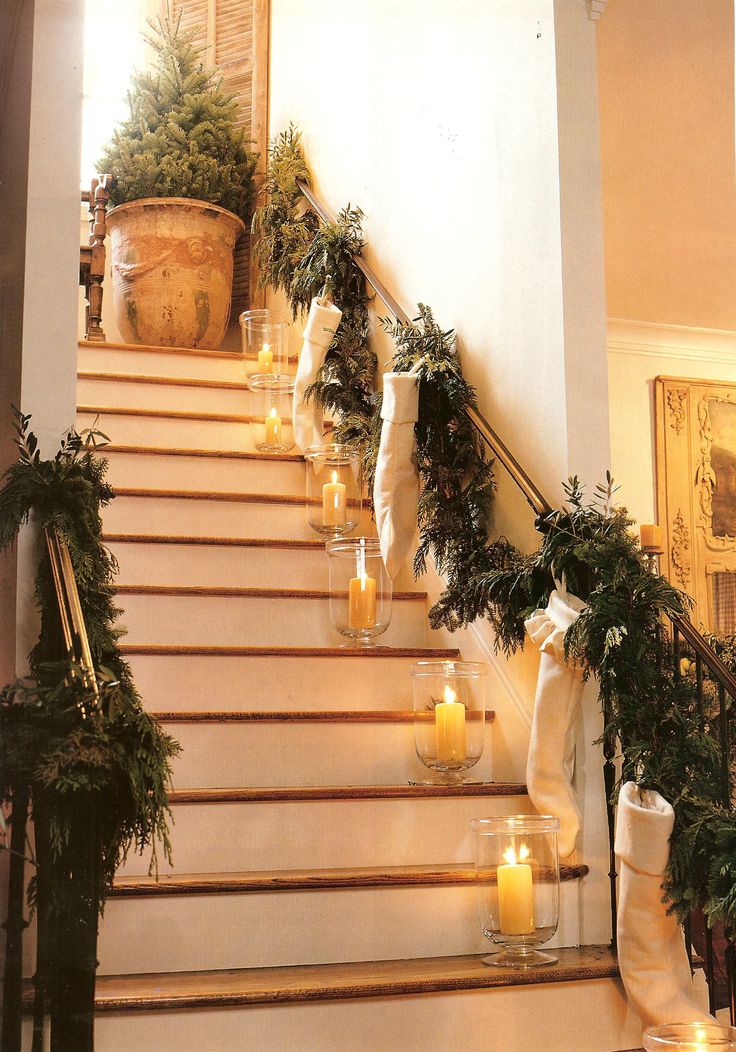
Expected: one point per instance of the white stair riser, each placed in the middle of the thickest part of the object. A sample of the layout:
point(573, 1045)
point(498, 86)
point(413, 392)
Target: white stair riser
point(225, 366)
point(175, 933)
point(589, 1016)
point(162, 432)
point(302, 753)
point(326, 834)
point(178, 397)
point(206, 473)
point(190, 682)
point(227, 621)
point(175, 516)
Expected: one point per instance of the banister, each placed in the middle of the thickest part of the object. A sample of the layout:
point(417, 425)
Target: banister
point(500, 450)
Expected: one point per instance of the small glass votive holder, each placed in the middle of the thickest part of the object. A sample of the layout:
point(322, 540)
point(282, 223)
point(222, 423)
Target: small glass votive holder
point(334, 497)
point(449, 717)
point(272, 422)
point(360, 589)
point(265, 337)
point(517, 873)
point(690, 1037)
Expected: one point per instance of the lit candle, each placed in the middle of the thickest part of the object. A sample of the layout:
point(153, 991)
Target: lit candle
point(362, 597)
point(701, 1040)
point(650, 536)
point(265, 360)
point(334, 502)
point(449, 728)
point(515, 894)
point(273, 429)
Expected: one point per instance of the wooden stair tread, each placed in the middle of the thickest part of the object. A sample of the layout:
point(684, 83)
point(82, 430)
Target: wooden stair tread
point(295, 716)
point(164, 381)
point(219, 495)
point(326, 982)
point(143, 348)
point(170, 414)
point(172, 649)
point(216, 542)
point(219, 454)
point(309, 880)
point(226, 591)
point(301, 793)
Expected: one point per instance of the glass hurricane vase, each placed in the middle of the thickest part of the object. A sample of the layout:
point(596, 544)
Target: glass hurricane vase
point(449, 717)
point(265, 338)
point(360, 589)
point(518, 887)
point(334, 498)
point(273, 427)
point(690, 1037)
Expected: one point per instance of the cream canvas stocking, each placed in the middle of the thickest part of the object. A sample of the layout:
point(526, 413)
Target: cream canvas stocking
point(651, 948)
point(551, 757)
point(396, 486)
point(322, 322)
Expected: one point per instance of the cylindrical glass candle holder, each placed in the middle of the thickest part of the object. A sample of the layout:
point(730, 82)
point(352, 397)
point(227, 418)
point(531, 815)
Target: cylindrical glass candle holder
point(449, 716)
point(334, 498)
point(518, 886)
point(273, 427)
point(690, 1037)
point(265, 336)
point(360, 589)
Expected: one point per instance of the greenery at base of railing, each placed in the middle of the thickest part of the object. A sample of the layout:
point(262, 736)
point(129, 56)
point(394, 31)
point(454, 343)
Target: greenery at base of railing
point(98, 768)
point(650, 713)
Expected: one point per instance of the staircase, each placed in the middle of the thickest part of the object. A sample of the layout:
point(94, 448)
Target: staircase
point(318, 901)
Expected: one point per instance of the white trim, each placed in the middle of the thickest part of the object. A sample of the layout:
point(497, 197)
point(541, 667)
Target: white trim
point(481, 631)
point(649, 339)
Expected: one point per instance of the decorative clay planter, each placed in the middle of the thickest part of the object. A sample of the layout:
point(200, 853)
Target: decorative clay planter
point(172, 271)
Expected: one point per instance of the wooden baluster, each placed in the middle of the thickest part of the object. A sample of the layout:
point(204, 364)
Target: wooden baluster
point(98, 198)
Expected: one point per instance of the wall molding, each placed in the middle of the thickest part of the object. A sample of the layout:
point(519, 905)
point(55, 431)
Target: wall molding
point(650, 339)
point(596, 8)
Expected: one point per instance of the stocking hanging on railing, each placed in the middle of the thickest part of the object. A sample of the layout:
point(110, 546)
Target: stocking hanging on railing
point(651, 949)
point(551, 756)
point(396, 485)
point(322, 322)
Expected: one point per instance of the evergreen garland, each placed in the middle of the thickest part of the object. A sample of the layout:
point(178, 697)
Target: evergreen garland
point(181, 138)
point(649, 711)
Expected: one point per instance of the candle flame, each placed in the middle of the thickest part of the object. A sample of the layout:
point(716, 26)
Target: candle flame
point(509, 856)
point(267, 346)
point(273, 412)
point(334, 478)
point(450, 695)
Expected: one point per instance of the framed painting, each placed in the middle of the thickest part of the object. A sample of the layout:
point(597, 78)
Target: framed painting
point(696, 494)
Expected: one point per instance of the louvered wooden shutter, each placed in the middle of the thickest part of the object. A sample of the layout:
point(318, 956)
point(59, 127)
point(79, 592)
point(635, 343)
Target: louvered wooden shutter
point(235, 33)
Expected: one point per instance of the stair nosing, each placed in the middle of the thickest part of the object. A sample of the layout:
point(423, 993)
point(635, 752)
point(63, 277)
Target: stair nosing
point(337, 793)
point(150, 348)
point(275, 881)
point(228, 592)
point(169, 414)
point(235, 542)
point(294, 984)
point(222, 496)
point(165, 381)
point(295, 716)
point(184, 451)
point(383, 652)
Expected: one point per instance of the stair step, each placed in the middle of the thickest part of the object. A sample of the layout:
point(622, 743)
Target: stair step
point(289, 716)
point(294, 794)
point(168, 392)
point(129, 426)
point(308, 880)
point(332, 982)
point(232, 616)
point(205, 469)
point(305, 925)
point(275, 678)
point(331, 749)
point(161, 361)
point(207, 513)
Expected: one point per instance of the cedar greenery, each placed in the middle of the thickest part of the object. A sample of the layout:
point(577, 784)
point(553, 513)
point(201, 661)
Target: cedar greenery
point(650, 712)
point(181, 138)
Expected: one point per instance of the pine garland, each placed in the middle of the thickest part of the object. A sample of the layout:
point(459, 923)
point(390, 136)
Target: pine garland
point(181, 138)
point(648, 711)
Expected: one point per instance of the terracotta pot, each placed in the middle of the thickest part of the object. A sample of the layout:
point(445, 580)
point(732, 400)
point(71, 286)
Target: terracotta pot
point(172, 270)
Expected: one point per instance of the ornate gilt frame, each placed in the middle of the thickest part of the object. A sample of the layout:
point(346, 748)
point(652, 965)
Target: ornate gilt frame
point(686, 481)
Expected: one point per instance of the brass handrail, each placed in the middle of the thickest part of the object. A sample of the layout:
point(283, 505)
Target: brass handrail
point(498, 448)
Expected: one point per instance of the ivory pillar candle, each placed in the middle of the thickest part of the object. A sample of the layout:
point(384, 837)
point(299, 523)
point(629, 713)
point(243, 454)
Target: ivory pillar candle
point(265, 360)
point(362, 602)
point(334, 502)
point(449, 717)
point(651, 536)
point(515, 894)
point(273, 429)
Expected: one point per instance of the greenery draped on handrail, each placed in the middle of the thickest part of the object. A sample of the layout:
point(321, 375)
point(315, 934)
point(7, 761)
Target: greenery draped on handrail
point(650, 712)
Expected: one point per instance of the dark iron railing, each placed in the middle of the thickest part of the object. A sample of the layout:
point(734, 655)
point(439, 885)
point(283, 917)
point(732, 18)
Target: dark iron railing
point(680, 630)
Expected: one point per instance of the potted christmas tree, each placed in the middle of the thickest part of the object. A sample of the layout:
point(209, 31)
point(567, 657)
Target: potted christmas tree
point(183, 186)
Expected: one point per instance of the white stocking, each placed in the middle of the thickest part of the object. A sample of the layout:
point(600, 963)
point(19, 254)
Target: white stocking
point(396, 486)
point(551, 757)
point(322, 322)
point(651, 948)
